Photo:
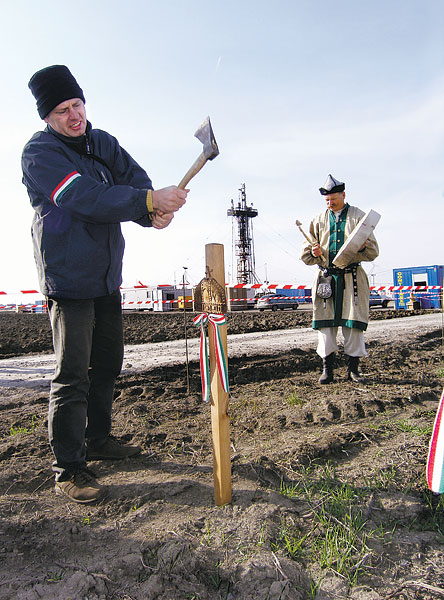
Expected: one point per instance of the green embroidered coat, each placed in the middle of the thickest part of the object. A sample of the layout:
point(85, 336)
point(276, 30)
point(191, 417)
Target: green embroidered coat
point(340, 309)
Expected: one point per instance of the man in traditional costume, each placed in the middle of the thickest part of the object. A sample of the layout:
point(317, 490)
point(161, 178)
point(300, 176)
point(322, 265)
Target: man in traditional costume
point(346, 305)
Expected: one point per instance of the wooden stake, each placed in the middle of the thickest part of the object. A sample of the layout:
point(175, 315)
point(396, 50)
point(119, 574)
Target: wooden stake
point(220, 422)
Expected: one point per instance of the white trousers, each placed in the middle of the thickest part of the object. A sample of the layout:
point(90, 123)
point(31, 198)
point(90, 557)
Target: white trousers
point(354, 343)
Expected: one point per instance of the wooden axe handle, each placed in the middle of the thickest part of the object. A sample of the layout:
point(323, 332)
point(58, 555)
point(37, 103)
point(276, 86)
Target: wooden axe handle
point(306, 236)
point(193, 170)
point(311, 242)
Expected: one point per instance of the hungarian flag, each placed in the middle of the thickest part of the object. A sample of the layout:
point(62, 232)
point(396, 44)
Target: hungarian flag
point(435, 460)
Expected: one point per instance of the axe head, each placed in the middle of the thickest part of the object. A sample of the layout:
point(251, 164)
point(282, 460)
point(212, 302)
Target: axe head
point(206, 136)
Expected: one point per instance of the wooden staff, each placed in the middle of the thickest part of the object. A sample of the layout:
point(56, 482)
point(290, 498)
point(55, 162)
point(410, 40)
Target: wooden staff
point(220, 421)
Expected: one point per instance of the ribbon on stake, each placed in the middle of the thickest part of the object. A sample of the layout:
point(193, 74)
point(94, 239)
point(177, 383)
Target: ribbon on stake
point(213, 321)
point(435, 459)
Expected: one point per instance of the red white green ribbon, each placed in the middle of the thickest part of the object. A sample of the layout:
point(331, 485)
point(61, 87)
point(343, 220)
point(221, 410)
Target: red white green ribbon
point(213, 321)
point(435, 459)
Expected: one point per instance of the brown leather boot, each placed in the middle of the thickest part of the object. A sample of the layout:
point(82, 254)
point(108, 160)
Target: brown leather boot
point(80, 487)
point(112, 450)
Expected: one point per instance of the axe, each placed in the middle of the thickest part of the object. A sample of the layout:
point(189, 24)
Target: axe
point(210, 150)
point(311, 242)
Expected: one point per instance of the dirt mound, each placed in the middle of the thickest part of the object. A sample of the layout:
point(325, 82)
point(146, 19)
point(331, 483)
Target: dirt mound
point(329, 495)
point(24, 333)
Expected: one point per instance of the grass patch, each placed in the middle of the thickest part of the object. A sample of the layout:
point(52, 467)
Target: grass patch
point(388, 426)
point(382, 479)
point(17, 429)
point(291, 539)
point(334, 532)
point(54, 577)
point(335, 537)
point(414, 429)
point(294, 400)
point(435, 514)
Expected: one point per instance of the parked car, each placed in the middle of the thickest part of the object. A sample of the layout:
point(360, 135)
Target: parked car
point(275, 302)
point(376, 299)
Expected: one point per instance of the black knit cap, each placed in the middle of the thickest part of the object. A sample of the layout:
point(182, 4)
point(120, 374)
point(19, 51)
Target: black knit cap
point(51, 86)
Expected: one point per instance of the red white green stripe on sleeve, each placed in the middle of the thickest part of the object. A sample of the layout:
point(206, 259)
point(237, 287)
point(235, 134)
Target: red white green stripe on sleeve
point(435, 460)
point(63, 186)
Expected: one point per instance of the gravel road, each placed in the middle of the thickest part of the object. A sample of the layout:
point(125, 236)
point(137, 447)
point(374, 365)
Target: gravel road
point(36, 371)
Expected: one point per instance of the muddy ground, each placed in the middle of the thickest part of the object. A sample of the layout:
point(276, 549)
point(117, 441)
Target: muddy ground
point(329, 494)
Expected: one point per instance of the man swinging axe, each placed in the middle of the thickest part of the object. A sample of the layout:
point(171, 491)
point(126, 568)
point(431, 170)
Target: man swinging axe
point(82, 185)
point(346, 305)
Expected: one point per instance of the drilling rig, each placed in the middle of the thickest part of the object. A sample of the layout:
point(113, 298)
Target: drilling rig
point(243, 244)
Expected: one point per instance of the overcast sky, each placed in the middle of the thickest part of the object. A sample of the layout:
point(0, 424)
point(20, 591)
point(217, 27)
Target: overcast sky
point(295, 89)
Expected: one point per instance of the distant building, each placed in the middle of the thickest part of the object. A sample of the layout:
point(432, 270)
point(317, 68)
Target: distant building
point(159, 298)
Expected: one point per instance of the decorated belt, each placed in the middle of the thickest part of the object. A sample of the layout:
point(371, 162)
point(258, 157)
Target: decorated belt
point(337, 271)
point(352, 268)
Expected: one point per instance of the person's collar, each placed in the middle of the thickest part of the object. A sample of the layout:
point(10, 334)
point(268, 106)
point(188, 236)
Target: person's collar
point(74, 142)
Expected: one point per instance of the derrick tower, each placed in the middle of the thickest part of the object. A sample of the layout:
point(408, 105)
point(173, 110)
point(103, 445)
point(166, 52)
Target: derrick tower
point(243, 244)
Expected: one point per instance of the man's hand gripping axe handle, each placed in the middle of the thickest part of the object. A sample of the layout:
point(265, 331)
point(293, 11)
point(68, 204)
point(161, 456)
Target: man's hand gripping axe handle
point(210, 150)
point(311, 242)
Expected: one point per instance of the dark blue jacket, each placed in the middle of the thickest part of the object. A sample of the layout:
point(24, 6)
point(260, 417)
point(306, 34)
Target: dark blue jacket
point(81, 190)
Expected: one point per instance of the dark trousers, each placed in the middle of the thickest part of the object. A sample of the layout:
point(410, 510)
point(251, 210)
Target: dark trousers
point(88, 345)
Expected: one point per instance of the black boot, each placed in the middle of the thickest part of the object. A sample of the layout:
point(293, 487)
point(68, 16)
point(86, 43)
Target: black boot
point(327, 374)
point(353, 369)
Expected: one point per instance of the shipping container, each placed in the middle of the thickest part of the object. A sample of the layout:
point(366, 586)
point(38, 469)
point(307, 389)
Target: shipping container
point(302, 295)
point(418, 276)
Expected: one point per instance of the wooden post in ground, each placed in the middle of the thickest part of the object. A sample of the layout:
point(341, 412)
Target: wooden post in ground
point(220, 422)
